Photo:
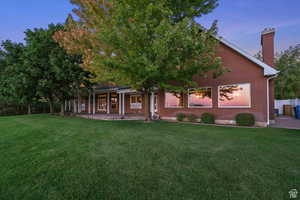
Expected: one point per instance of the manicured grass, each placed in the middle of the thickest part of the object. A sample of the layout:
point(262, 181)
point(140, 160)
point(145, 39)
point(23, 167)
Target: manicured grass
point(47, 157)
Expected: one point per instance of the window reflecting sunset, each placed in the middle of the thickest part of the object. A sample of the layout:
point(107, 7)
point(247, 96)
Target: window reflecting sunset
point(201, 97)
point(173, 100)
point(236, 95)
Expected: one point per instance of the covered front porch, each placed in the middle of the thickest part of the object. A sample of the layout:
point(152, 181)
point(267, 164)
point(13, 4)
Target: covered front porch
point(113, 103)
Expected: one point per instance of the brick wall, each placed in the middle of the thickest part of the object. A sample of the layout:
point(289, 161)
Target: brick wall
point(241, 71)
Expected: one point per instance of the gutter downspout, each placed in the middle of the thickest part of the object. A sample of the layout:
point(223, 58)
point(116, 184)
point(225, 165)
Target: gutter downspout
point(268, 98)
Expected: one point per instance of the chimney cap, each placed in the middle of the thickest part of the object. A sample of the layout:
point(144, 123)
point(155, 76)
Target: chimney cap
point(267, 31)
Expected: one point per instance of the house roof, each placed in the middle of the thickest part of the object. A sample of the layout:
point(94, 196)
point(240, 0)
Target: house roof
point(104, 87)
point(268, 70)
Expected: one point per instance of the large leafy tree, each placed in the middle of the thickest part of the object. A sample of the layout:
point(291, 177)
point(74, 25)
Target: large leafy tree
point(17, 84)
point(154, 47)
point(59, 75)
point(82, 36)
point(147, 44)
point(182, 9)
point(288, 81)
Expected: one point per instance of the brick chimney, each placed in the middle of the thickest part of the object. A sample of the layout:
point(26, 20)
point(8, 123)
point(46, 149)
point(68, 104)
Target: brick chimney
point(267, 42)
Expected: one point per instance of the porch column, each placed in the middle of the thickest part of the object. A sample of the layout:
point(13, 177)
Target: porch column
point(75, 106)
point(120, 103)
point(78, 104)
point(152, 104)
point(89, 103)
point(66, 105)
point(94, 102)
point(108, 103)
point(123, 103)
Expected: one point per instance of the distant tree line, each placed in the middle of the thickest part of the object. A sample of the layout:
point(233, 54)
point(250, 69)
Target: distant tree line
point(38, 72)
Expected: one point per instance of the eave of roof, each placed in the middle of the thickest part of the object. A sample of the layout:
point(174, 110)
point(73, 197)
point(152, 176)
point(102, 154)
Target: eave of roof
point(101, 87)
point(268, 70)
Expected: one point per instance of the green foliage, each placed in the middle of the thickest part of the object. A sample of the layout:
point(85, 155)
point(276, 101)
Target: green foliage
point(17, 82)
point(245, 119)
point(207, 118)
point(10, 110)
point(288, 81)
point(190, 8)
point(19, 109)
point(192, 118)
point(180, 117)
point(152, 50)
point(41, 69)
point(259, 56)
point(148, 44)
point(59, 75)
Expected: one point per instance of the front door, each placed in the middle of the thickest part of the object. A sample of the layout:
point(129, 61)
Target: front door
point(102, 103)
point(114, 103)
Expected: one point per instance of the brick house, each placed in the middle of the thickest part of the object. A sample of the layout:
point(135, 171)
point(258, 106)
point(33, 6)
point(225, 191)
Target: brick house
point(247, 88)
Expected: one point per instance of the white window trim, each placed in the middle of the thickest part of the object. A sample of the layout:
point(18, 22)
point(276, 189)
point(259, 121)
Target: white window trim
point(250, 101)
point(130, 97)
point(173, 107)
point(200, 106)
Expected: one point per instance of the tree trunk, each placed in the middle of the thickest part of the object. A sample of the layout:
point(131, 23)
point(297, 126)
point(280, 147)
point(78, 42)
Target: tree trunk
point(51, 106)
point(147, 107)
point(62, 109)
point(29, 109)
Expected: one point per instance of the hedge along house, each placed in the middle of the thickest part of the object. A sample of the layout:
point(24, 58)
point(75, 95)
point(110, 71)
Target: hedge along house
point(247, 88)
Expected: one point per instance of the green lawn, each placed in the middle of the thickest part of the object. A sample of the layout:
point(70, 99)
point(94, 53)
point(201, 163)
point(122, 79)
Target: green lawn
point(47, 157)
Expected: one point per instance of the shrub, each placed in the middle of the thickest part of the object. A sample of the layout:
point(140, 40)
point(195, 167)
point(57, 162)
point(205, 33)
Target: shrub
point(208, 118)
point(192, 118)
point(245, 119)
point(180, 116)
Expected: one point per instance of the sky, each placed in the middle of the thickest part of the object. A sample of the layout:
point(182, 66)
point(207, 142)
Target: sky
point(239, 21)
point(242, 21)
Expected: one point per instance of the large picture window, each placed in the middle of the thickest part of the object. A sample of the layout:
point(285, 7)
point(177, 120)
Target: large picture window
point(173, 100)
point(200, 98)
point(235, 96)
point(135, 102)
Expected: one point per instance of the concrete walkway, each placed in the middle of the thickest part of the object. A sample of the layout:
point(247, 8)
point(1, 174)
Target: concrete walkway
point(286, 122)
point(281, 122)
point(112, 117)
